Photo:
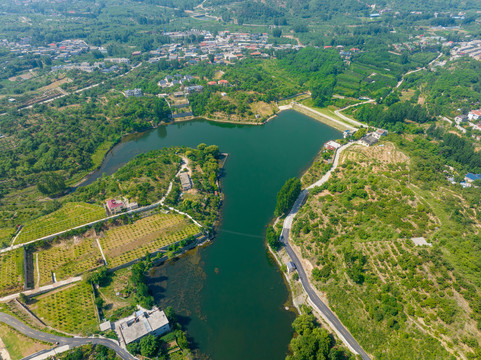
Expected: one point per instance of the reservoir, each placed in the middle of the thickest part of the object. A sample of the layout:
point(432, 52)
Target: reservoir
point(230, 295)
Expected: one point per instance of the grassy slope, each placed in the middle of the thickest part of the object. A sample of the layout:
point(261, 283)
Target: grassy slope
point(413, 303)
point(17, 345)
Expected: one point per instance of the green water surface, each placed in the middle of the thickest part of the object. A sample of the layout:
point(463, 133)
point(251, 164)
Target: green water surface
point(230, 295)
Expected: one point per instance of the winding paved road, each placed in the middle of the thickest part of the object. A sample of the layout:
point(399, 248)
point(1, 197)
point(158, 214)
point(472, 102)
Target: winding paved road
point(72, 342)
point(327, 314)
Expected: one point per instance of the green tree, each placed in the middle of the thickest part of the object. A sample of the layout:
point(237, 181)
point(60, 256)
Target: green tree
point(287, 196)
point(149, 346)
point(51, 184)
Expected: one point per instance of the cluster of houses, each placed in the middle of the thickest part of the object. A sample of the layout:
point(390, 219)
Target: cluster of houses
point(224, 47)
point(85, 66)
point(418, 42)
point(177, 79)
point(473, 120)
point(62, 50)
point(468, 180)
point(469, 48)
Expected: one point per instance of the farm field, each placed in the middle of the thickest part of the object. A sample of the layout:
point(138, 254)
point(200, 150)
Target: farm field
point(71, 309)
point(6, 235)
point(68, 259)
point(11, 272)
point(130, 242)
point(68, 216)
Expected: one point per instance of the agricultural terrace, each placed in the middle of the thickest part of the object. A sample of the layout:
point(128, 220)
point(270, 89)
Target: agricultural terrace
point(11, 272)
point(68, 216)
point(130, 242)
point(71, 309)
point(6, 235)
point(67, 259)
point(398, 300)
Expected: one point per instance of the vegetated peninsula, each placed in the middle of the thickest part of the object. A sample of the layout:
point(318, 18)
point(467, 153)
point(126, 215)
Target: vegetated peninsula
point(154, 206)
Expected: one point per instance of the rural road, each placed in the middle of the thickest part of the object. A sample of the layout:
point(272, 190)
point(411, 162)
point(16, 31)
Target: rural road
point(327, 314)
point(72, 342)
point(348, 119)
point(349, 125)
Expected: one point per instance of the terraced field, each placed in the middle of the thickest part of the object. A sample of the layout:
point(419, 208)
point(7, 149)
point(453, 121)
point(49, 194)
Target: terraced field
point(71, 310)
point(68, 259)
point(68, 216)
point(130, 242)
point(11, 272)
point(6, 235)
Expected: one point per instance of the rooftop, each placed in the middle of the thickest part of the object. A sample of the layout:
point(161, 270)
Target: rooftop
point(143, 323)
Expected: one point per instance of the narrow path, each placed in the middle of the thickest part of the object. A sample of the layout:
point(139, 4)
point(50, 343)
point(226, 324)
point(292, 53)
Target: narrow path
point(101, 251)
point(351, 127)
point(348, 119)
point(54, 339)
point(38, 272)
point(42, 289)
point(326, 313)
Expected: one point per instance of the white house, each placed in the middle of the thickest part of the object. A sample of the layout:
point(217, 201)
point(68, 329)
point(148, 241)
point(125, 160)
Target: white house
point(474, 115)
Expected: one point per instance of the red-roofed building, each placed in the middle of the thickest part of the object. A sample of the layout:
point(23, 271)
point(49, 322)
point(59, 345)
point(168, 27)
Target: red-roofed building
point(53, 45)
point(211, 83)
point(62, 47)
point(256, 53)
point(327, 47)
point(115, 206)
point(223, 82)
point(332, 145)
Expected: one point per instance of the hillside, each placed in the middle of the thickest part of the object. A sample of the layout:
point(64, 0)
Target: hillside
point(398, 300)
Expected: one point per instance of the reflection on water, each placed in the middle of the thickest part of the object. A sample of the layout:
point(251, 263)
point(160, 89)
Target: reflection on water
point(185, 274)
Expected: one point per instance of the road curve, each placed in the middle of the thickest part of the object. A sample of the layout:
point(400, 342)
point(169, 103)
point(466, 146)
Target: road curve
point(72, 342)
point(327, 314)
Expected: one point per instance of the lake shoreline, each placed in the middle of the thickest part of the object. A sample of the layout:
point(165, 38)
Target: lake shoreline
point(244, 123)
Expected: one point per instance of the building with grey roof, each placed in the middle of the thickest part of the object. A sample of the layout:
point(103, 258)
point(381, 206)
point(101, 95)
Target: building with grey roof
point(143, 323)
point(186, 181)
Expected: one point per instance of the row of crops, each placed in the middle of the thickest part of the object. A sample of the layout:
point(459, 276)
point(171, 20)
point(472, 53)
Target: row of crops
point(11, 272)
point(127, 243)
point(68, 259)
point(123, 235)
point(71, 310)
point(68, 216)
point(152, 246)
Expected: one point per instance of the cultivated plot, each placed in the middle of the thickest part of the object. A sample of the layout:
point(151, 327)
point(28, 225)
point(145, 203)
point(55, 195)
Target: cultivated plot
point(11, 272)
point(68, 259)
point(68, 216)
point(130, 242)
point(71, 309)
